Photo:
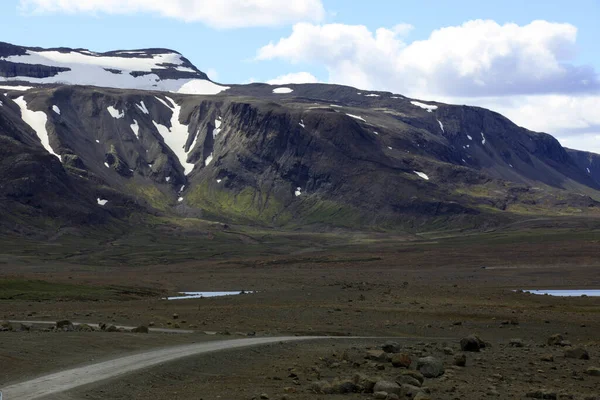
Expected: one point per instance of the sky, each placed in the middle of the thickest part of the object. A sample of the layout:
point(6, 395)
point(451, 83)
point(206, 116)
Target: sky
point(537, 62)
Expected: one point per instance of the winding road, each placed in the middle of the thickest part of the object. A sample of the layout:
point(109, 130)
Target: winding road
point(75, 377)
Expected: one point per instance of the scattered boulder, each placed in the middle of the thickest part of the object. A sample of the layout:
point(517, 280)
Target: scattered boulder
point(593, 371)
point(387, 387)
point(408, 380)
point(516, 343)
point(413, 374)
point(578, 353)
point(376, 355)
point(321, 387)
point(401, 360)
point(542, 394)
point(410, 391)
point(460, 360)
point(555, 340)
point(422, 396)
point(112, 328)
point(344, 386)
point(430, 367)
point(391, 347)
point(175, 316)
point(84, 328)
point(547, 358)
point(471, 343)
point(140, 329)
point(65, 325)
point(380, 395)
point(365, 384)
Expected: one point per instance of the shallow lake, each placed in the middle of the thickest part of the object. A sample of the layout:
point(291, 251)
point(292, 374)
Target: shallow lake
point(567, 292)
point(201, 295)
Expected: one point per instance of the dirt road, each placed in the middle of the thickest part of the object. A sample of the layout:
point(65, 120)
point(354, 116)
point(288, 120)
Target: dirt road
point(72, 378)
point(127, 328)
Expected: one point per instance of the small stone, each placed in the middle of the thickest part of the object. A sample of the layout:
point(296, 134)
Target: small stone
point(264, 396)
point(380, 395)
point(175, 316)
point(547, 358)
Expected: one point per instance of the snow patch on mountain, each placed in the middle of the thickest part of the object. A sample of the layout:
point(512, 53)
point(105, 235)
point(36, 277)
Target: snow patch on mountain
point(424, 106)
point(422, 175)
point(282, 90)
point(135, 127)
point(17, 88)
point(37, 120)
point(116, 114)
point(177, 136)
point(56, 109)
point(142, 107)
point(356, 117)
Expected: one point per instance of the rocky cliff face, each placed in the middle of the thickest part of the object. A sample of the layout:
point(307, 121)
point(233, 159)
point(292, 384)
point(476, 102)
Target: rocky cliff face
point(294, 156)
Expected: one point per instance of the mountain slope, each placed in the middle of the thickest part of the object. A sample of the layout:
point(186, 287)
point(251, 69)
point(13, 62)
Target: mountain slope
point(295, 156)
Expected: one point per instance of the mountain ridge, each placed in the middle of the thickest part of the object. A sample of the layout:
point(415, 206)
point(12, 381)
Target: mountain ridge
point(310, 155)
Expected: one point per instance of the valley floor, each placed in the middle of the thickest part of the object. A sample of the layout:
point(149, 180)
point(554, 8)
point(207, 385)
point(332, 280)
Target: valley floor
point(429, 292)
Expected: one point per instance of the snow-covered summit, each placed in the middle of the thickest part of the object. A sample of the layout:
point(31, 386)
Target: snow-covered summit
point(149, 69)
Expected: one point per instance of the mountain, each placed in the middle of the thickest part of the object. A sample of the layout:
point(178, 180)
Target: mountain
point(154, 136)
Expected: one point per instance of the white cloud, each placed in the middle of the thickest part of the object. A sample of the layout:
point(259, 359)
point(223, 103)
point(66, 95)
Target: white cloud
point(524, 72)
point(216, 13)
point(294, 77)
point(478, 58)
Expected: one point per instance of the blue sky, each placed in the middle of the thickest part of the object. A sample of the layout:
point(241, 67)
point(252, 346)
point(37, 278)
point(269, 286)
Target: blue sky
point(544, 76)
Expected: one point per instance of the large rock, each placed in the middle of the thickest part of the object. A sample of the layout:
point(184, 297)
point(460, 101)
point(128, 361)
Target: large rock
point(391, 347)
point(401, 360)
point(376, 355)
point(140, 329)
point(65, 325)
point(412, 374)
point(344, 386)
point(471, 343)
point(578, 353)
point(410, 391)
point(365, 383)
point(430, 367)
point(388, 387)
